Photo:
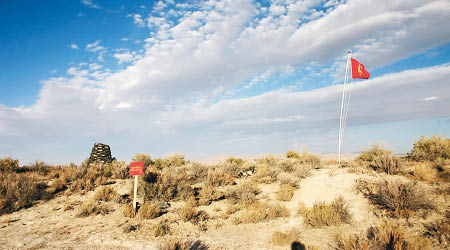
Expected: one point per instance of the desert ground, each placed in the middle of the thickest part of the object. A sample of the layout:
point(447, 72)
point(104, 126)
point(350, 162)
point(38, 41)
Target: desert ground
point(375, 200)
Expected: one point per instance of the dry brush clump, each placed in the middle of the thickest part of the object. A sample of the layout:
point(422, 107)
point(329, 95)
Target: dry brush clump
point(430, 149)
point(208, 194)
point(381, 160)
point(166, 185)
point(179, 244)
point(106, 194)
point(149, 210)
point(284, 238)
point(258, 212)
point(92, 208)
point(244, 193)
point(285, 192)
point(399, 197)
point(323, 214)
point(389, 235)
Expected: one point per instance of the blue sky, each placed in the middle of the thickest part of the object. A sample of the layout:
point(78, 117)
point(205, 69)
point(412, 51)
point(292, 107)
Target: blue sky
point(209, 78)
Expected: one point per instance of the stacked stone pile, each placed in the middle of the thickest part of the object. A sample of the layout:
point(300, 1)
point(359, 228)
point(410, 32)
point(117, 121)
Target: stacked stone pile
point(101, 153)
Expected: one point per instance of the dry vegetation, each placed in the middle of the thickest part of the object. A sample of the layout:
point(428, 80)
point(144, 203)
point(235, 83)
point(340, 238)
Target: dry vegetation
point(185, 205)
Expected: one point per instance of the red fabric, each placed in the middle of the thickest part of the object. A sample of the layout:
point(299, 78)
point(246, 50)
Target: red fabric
point(358, 70)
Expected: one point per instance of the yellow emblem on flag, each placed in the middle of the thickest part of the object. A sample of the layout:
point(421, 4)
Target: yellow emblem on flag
point(360, 69)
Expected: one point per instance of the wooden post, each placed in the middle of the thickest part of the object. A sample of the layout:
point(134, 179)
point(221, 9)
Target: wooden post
point(135, 192)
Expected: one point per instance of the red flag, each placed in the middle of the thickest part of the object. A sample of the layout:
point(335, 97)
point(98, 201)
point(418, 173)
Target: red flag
point(358, 70)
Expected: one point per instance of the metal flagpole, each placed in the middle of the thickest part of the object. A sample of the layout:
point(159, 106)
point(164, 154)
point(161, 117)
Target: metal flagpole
point(342, 108)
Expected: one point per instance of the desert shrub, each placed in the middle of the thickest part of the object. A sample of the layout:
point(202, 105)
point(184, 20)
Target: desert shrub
point(189, 212)
point(120, 170)
point(292, 154)
point(285, 192)
point(287, 179)
point(106, 194)
point(166, 186)
point(208, 194)
point(196, 171)
point(440, 230)
point(258, 212)
point(92, 208)
point(178, 244)
point(88, 178)
point(430, 149)
point(244, 193)
point(149, 210)
point(143, 157)
point(353, 242)
point(162, 228)
point(424, 172)
point(280, 238)
point(381, 160)
point(19, 191)
point(8, 165)
point(303, 170)
point(322, 214)
point(235, 161)
point(57, 186)
point(389, 235)
point(128, 211)
point(401, 198)
point(218, 177)
point(265, 174)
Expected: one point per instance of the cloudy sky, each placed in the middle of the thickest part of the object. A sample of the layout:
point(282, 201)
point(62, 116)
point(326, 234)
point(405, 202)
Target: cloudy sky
point(209, 78)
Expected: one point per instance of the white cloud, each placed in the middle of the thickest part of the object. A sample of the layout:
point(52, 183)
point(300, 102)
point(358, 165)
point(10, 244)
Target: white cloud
point(74, 46)
point(137, 19)
point(90, 4)
point(430, 98)
point(123, 57)
point(124, 39)
point(95, 47)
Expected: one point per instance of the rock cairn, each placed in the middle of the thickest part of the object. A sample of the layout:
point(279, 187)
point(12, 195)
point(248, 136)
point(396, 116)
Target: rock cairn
point(101, 153)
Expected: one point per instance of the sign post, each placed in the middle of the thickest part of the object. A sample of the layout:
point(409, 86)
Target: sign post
point(136, 169)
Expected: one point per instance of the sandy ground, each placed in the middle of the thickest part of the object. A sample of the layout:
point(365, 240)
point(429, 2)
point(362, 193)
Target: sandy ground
point(48, 226)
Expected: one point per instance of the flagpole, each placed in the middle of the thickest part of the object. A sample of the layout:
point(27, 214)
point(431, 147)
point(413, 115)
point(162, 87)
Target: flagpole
point(342, 109)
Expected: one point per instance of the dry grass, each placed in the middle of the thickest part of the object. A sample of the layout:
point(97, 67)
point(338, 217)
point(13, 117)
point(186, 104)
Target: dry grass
point(189, 212)
point(280, 238)
point(218, 177)
point(92, 208)
point(161, 228)
point(400, 198)
point(425, 172)
point(285, 178)
point(208, 194)
point(106, 194)
point(381, 160)
point(388, 235)
point(167, 185)
point(322, 214)
point(285, 192)
point(149, 210)
point(265, 174)
point(259, 212)
point(128, 211)
point(8, 165)
point(19, 191)
point(430, 149)
point(244, 193)
point(178, 244)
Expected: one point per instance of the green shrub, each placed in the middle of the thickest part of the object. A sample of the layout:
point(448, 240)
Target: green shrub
point(430, 149)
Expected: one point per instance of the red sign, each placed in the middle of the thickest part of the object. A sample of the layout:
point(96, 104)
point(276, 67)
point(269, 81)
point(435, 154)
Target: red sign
point(137, 168)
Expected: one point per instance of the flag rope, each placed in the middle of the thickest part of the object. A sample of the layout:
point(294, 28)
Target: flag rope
point(342, 109)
